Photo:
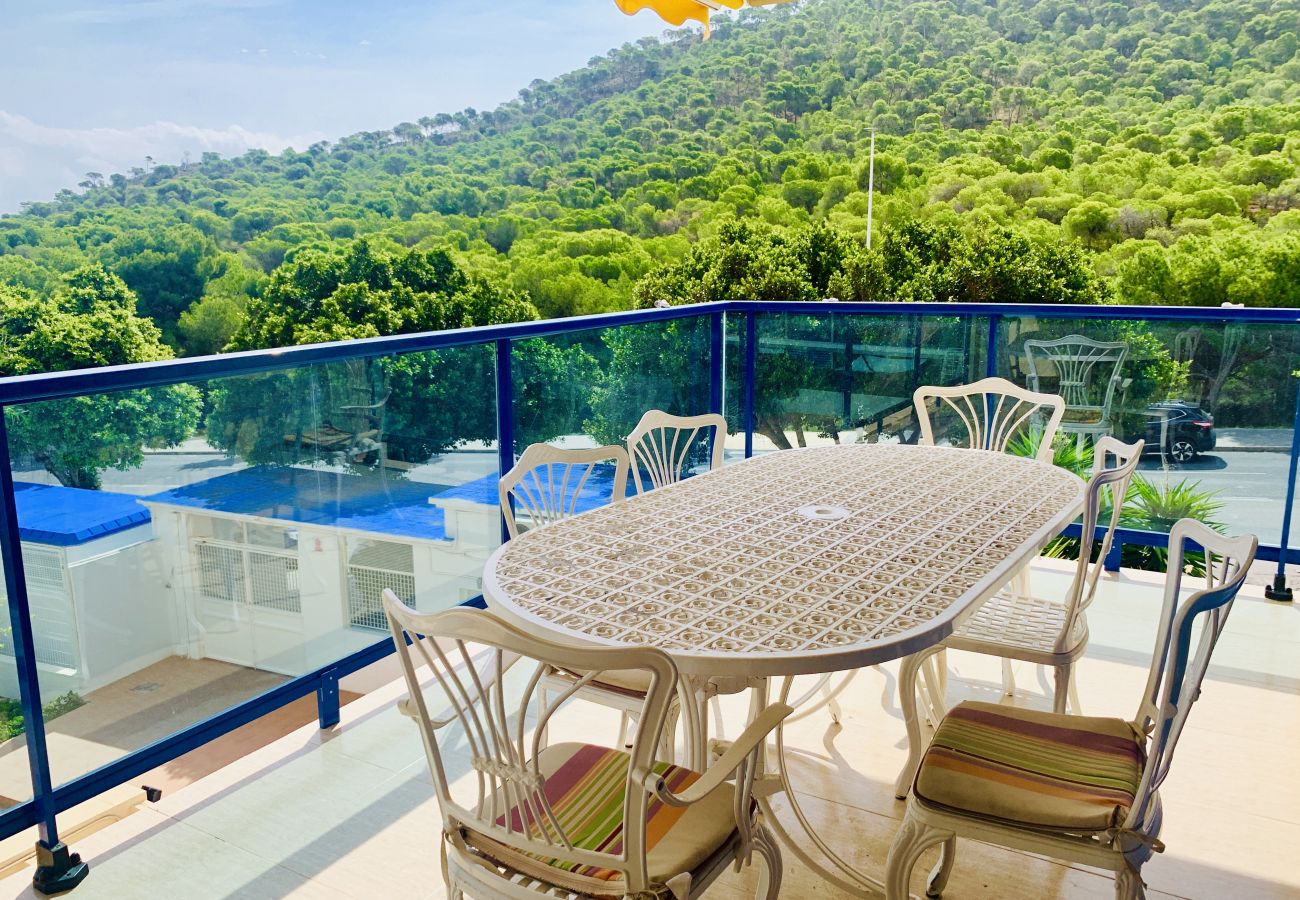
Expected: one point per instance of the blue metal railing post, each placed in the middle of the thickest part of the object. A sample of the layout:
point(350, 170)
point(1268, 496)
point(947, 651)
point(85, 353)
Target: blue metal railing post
point(505, 418)
point(751, 354)
point(717, 363)
point(327, 698)
point(991, 350)
point(1278, 589)
point(991, 367)
point(57, 868)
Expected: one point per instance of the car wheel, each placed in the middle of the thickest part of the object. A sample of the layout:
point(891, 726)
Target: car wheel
point(1182, 451)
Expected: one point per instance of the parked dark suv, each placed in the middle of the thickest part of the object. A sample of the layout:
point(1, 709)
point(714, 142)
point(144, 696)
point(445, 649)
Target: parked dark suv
point(1189, 433)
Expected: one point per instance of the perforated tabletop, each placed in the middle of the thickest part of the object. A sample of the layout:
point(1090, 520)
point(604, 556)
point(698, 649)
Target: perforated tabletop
point(796, 562)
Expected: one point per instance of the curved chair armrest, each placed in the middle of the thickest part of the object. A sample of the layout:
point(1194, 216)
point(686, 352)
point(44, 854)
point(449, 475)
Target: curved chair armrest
point(487, 677)
point(727, 764)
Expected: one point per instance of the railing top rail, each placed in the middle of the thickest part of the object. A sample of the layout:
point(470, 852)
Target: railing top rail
point(1237, 314)
point(54, 385)
point(75, 382)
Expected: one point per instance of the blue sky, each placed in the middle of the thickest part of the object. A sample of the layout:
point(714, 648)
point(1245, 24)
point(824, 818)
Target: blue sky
point(97, 86)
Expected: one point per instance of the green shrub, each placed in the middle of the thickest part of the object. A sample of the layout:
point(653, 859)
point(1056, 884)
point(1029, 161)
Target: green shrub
point(11, 712)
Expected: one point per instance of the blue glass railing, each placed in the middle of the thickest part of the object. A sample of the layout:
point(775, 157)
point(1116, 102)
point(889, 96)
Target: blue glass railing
point(318, 474)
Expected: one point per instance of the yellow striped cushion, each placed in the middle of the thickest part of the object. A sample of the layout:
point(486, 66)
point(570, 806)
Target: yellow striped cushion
point(586, 786)
point(1073, 773)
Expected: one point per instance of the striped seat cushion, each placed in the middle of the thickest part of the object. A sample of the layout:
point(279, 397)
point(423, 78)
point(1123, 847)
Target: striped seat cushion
point(586, 786)
point(1024, 767)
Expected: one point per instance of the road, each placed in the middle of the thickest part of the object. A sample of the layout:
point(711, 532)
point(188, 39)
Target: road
point(1251, 486)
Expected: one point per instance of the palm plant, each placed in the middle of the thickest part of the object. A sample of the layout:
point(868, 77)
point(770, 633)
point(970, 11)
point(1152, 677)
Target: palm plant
point(1154, 507)
point(1147, 507)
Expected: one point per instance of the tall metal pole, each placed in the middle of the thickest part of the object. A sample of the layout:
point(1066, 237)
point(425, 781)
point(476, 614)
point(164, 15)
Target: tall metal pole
point(871, 184)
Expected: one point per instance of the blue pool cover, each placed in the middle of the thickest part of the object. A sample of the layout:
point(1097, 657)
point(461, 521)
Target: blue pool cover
point(66, 517)
point(50, 514)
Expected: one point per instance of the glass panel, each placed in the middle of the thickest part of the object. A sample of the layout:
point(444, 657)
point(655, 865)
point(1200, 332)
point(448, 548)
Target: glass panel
point(254, 548)
point(591, 387)
point(847, 377)
point(15, 776)
point(1214, 402)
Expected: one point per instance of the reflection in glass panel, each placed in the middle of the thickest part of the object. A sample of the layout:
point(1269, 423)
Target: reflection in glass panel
point(591, 387)
point(15, 777)
point(1214, 402)
point(257, 546)
point(846, 377)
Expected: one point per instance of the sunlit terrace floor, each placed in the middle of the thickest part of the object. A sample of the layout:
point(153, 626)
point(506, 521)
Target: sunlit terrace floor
point(349, 813)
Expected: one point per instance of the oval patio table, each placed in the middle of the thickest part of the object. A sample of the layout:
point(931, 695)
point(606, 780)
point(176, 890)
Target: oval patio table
point(800, 562)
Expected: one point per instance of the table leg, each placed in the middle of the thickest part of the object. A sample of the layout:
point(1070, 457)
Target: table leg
point(693, 697)
point(832, 867)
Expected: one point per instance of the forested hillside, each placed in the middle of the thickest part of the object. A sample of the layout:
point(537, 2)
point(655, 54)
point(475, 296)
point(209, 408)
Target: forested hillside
point(1147, 150)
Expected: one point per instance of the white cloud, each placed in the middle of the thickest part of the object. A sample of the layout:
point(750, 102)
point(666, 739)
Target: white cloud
point(37, 159)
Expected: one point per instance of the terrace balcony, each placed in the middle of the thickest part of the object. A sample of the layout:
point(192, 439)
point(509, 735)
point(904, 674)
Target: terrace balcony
point(200, 601)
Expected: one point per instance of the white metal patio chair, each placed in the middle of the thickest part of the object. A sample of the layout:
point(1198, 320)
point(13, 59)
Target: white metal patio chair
point(662, 444)
point(546, 483)
point(992, 411)
point(517, 815)
point(1082, 789)
point(544, 486)
point(1032, 629)
point(1087, 373)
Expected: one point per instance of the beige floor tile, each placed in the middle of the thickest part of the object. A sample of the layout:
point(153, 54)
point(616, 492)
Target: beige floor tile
point(350, 812)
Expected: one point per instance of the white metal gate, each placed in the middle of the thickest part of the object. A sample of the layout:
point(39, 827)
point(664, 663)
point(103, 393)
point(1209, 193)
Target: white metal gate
point(372, 567)
point(49, 597)
point(246, 588)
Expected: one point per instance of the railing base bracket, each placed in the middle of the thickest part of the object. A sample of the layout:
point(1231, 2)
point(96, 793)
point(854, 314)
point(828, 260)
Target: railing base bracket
point(58, 869)
point(1278, 590)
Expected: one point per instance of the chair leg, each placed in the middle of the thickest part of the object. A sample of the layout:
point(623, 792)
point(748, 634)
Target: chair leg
point(1008, 678)
point(1075, 706)
point(1061, 697)
point(1129, 886)
point(716, 703)
point(940, 662)
point(942, 869)
point(769, 882)
point(668, 739)
point(933, 675)
point(542, 706)
point(912, 839)
point(831, 702)
point(624, 723)
point(454, 891)
point(907, 699)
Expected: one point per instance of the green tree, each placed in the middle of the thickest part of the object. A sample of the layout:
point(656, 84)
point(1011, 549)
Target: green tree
point(90, 320)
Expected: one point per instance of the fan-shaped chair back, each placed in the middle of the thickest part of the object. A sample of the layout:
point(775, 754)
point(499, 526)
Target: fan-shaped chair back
point(991, 412)
point(663, 445)
point(549, 484)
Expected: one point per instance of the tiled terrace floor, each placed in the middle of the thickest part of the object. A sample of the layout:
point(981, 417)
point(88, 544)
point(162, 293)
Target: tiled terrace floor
point(349, 813)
